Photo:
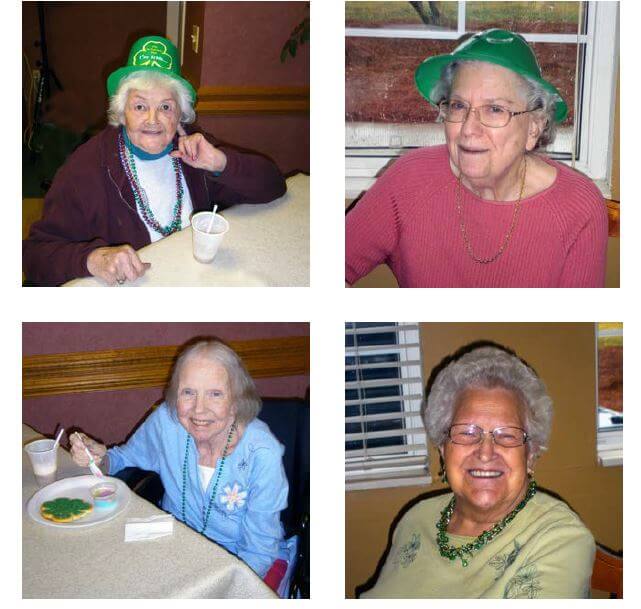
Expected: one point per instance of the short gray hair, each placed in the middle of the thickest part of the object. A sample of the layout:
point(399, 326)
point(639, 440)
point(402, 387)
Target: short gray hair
point(489, 368)
point(244, 394)
point(144, 80)
point(533, 93)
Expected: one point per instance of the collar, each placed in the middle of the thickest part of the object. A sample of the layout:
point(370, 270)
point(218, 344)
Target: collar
point(141, 154)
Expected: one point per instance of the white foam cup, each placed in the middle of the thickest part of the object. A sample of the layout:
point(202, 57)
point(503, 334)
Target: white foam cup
point(206, 243)
point(43, 455)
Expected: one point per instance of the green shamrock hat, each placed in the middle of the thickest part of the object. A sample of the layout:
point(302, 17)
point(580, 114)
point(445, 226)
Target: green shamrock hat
point(153, 53)
point(499, 47)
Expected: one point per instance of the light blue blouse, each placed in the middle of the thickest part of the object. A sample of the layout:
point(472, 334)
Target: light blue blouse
point(251, 492)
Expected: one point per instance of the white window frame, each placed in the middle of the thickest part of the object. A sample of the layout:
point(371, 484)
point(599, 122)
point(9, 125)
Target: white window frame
point(417, 470)
point(609, 442)
point(362, 165)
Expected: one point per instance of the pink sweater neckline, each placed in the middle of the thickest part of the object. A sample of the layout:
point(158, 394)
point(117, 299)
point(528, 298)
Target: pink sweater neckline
point(527, 200)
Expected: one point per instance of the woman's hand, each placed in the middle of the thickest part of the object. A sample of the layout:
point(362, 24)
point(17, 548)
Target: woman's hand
point(197, 152)
point(78, 454)
point(116, 264)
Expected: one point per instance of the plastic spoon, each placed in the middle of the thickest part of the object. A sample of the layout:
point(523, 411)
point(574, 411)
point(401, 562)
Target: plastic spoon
point(95, 470)
point(211, 222)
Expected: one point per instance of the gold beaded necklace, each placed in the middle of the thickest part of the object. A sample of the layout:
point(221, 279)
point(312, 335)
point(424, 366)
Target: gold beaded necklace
point(508, 236)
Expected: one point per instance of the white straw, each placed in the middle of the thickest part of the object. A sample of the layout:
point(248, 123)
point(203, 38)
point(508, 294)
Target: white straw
point(211, 222)
point(58, 438)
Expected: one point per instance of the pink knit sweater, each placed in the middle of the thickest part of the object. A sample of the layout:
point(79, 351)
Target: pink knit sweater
point(408, 220)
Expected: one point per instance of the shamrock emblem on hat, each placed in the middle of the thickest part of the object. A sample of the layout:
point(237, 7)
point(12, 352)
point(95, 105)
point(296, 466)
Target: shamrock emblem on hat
point(153, 53)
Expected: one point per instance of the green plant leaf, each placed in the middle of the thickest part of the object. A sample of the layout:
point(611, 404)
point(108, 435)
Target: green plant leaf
point(299, 36)
point(293, 47)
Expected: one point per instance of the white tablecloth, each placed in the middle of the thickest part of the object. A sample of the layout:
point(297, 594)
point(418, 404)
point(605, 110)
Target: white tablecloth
point(95, 562)
point(267, 245)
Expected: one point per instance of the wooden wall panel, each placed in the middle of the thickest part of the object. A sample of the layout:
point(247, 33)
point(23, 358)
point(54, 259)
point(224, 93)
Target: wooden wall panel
point(252, 100)
point(144, 367)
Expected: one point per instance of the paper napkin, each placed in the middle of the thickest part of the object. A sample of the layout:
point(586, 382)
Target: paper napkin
point(143, 529)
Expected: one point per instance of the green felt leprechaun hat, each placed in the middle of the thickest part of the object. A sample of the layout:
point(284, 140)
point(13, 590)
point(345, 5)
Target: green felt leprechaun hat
point(150, 53)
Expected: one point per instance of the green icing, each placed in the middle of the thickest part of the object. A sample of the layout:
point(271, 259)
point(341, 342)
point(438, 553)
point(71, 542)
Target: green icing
point(64, 508)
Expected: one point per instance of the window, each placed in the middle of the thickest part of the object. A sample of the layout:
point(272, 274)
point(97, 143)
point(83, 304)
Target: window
point(385, 442)
point(576, 44)
point(609, 341)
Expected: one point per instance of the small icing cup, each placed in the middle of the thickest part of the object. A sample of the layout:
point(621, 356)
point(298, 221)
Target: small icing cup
point(104, 495)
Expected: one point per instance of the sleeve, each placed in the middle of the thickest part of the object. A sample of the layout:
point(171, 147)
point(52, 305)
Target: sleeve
point(58, 245)
point(560, 567)
point(585, 263)
point(405, 533)
point(141, 450)
point(247, 178)
point(371, 228)
point(261, 531)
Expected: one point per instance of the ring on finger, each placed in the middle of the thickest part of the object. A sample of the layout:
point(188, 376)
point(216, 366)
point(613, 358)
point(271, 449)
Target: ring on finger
point(120, 280)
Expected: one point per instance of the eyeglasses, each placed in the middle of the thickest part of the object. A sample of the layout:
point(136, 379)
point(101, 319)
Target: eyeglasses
point(490, 115)
point(468, 434)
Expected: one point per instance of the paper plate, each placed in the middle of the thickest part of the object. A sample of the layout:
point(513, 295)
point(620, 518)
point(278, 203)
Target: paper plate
point(79, 487)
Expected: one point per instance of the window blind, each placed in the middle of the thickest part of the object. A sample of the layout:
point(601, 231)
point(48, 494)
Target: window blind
point(385, 443)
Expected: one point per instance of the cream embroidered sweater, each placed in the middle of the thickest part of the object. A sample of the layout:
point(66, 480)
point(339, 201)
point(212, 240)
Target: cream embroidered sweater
point(545, 552)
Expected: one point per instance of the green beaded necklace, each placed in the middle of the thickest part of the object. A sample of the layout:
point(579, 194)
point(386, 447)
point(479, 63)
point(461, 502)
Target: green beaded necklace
point(452, 552)
point(215, 487)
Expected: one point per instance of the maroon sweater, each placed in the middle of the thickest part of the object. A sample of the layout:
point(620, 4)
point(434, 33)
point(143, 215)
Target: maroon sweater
point(91, 204)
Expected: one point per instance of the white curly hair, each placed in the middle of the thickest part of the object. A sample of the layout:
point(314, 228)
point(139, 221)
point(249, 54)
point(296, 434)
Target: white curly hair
point(535, 97)
point(489, 368)
point(144, 81)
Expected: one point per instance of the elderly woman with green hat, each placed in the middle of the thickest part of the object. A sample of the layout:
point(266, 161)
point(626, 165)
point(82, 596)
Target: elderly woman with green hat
point(488, 208)
point(140, 178)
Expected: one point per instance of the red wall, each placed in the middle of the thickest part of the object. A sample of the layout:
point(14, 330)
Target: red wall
point(241, 47)
point(284, 139)
point(243, 40)
point(111, 415)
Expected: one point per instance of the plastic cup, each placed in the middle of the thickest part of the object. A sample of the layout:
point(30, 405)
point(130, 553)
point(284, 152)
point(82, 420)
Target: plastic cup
point(44, 460)
point(206, 243)
point(104, 495)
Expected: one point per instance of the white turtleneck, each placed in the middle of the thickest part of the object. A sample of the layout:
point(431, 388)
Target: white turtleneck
point(158, 181)
point(205, 473)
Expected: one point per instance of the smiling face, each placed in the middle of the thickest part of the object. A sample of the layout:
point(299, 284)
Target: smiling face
point(488, 156)
point(151, 118)
point(486, 478)
point(204, 403)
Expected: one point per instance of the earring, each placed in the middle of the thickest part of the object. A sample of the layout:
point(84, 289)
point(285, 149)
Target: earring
point(442, 473)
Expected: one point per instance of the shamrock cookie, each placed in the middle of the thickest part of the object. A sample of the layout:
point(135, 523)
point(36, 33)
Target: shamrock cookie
point(63, 509)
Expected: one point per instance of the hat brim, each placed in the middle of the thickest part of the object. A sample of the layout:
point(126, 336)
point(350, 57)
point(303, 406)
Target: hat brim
point(113, 81)
point(429, 73)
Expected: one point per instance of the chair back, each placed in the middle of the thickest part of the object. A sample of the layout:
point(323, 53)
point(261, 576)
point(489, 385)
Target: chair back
point(288, 420)
point(607, 572)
